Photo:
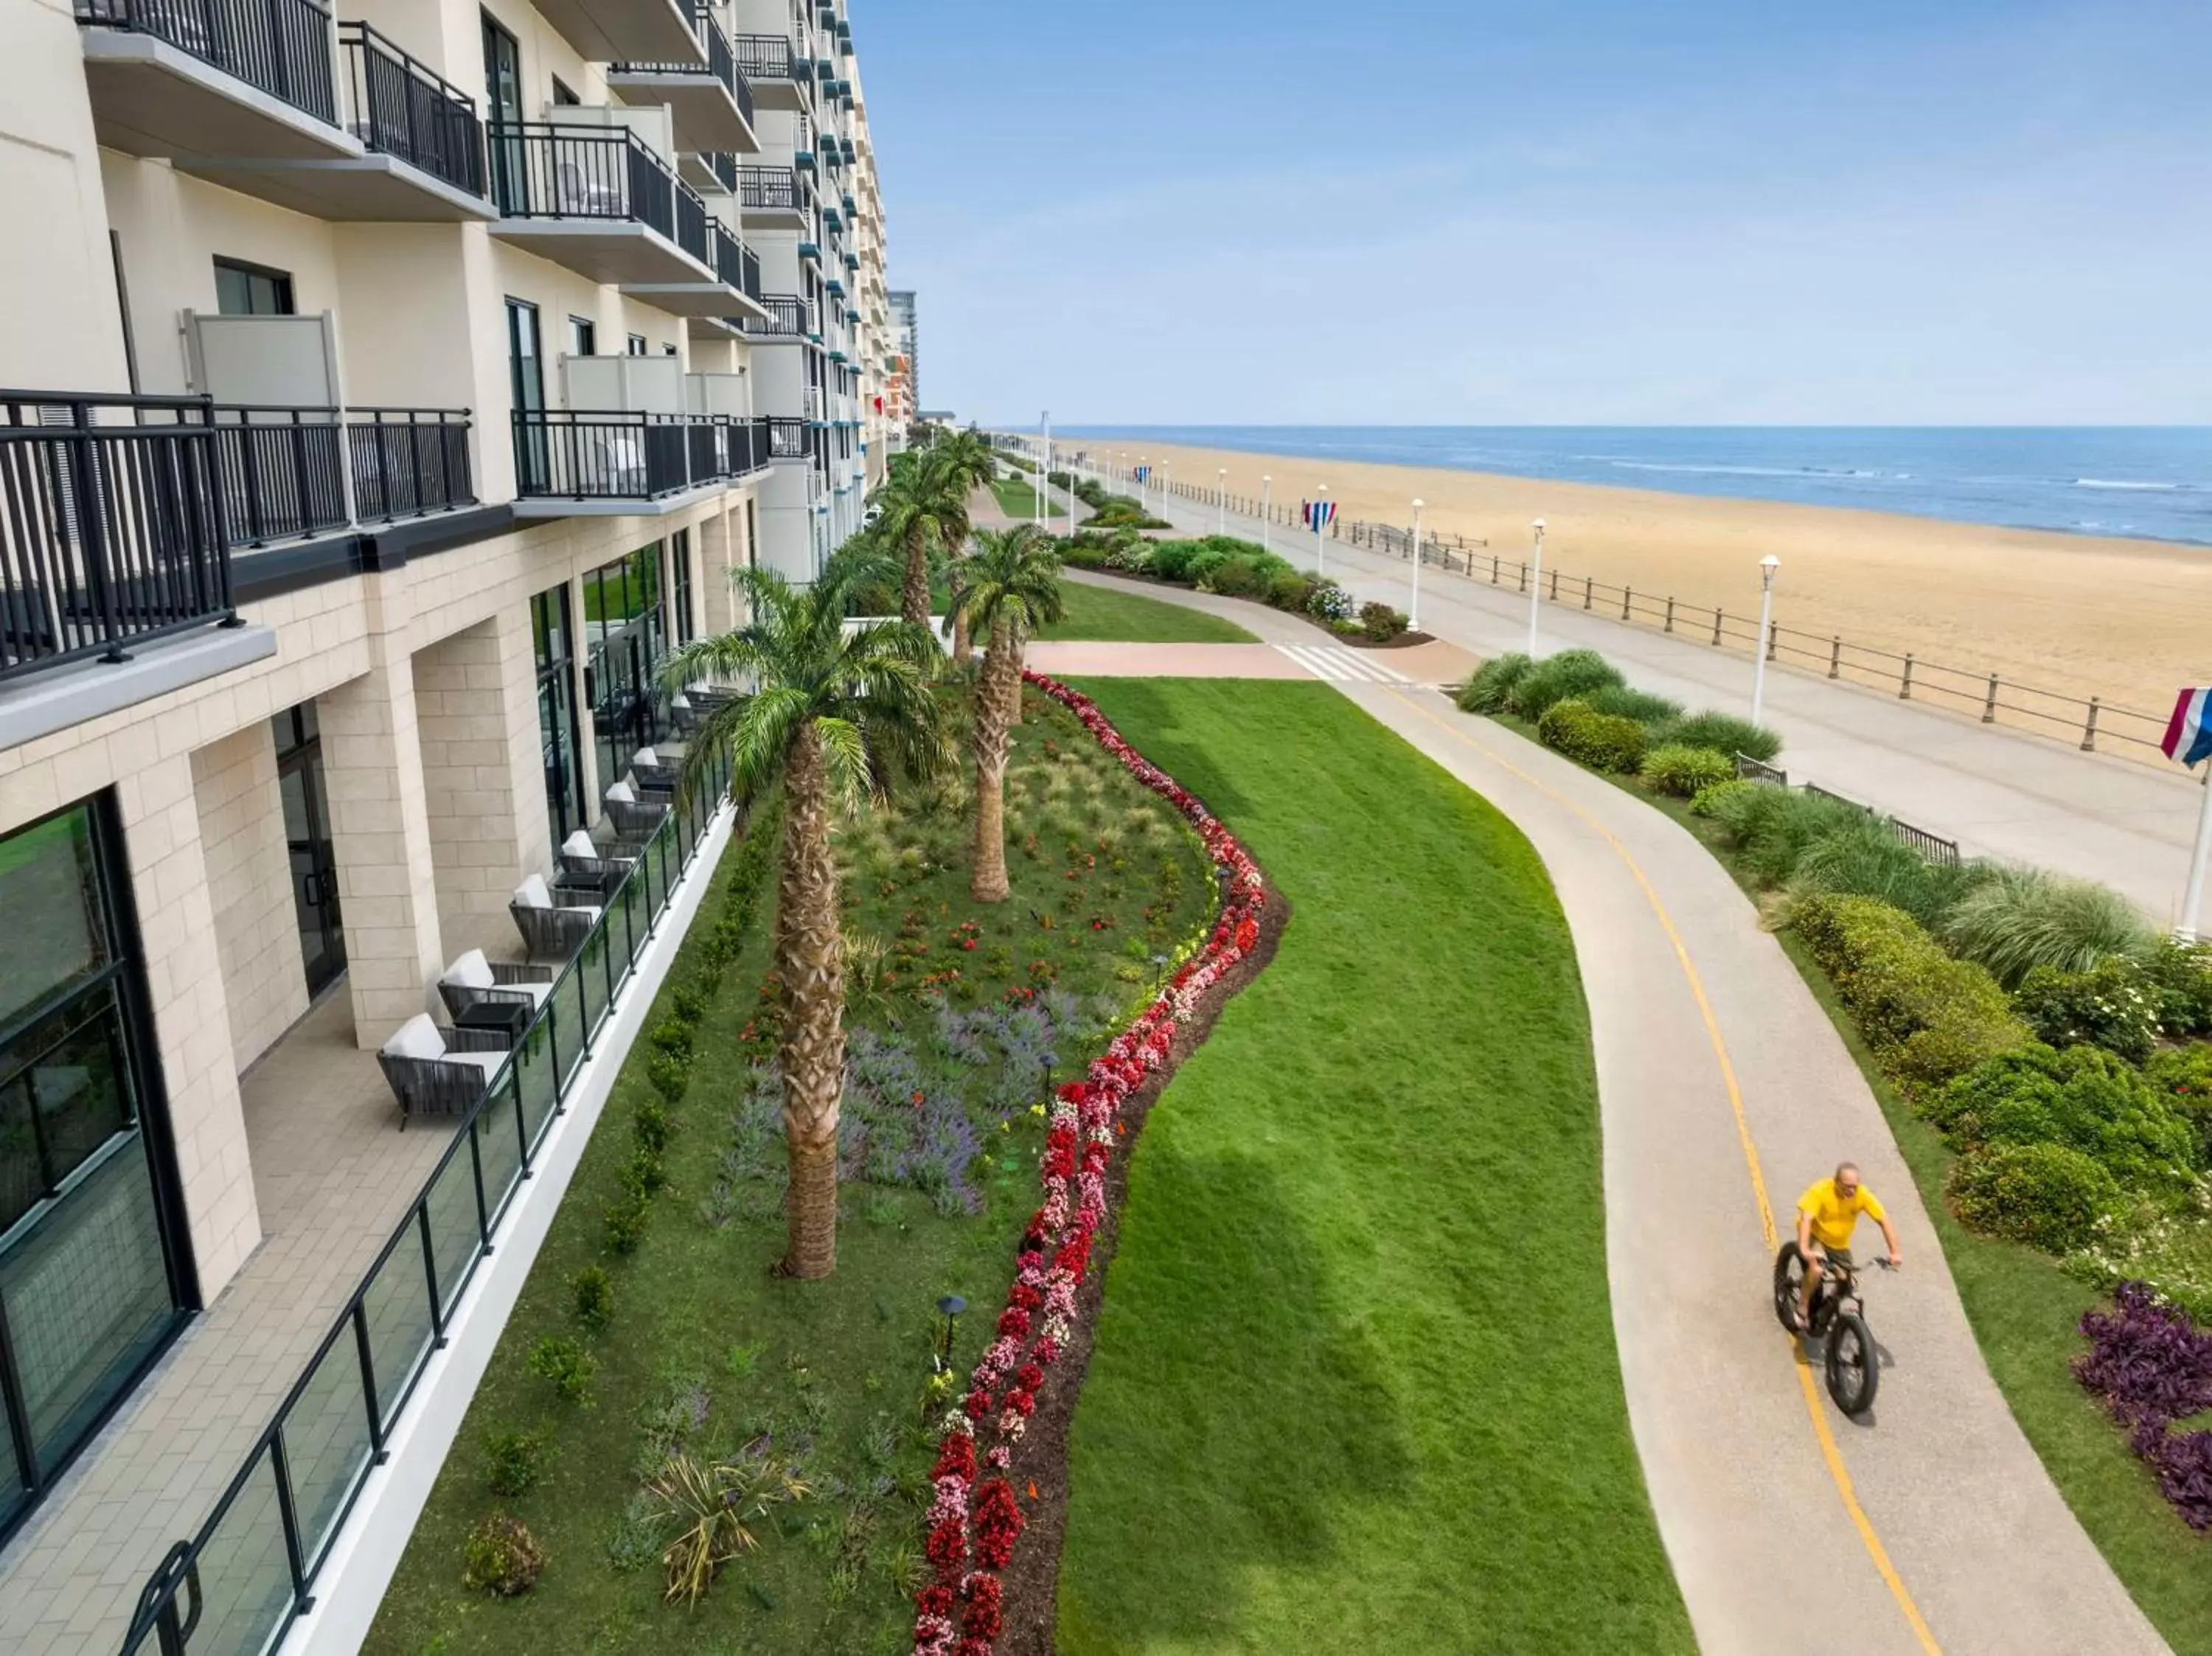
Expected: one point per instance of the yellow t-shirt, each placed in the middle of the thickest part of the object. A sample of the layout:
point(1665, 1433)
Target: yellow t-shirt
point(1834, 1219)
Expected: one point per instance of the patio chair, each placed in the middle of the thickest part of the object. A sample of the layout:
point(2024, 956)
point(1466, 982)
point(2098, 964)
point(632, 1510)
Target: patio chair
point(579, 855)
point(652, 773)
point(633, 819)
point(472, 978)
point(434, 1071)
point(548, 932)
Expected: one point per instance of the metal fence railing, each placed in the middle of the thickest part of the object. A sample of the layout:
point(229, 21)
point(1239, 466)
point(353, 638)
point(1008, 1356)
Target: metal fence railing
point(1985, 693)
point(282, 47)
point(402, 109)
point(543, 169)
point(767, 189)
point(588, 455)
point(789, 316)
point(407, 462)
point(232, 1588)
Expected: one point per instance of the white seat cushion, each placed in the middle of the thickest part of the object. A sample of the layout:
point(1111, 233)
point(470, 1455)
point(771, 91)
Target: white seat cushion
point(472, 971)
point(536, 992)
point(645, 758)
point(533, 893)
point(487, 1062)
point(682, 703)
point(579, 843)
point(417, 1038)
point(621, 794)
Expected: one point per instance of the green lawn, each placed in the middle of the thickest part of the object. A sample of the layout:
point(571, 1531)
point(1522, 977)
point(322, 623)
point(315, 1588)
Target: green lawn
point(1355, 1385)
point(1018, 500)
point(2024, 1312)
point(1095, 612)
point(705, 1352)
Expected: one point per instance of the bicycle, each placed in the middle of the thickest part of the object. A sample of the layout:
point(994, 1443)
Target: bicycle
point(1838, 1319)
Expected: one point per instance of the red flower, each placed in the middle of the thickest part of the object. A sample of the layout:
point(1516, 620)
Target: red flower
point(985, 1597)
point(998, 1523)
point(978, 1405)
point(1022, 1402)
point(948, 1548)
point(957, 1458)
point(937, 1601)
point(1030, 1376)
point(1014, 1321)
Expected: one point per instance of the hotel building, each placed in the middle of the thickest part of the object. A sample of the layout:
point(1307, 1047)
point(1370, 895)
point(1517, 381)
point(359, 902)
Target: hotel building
point(387, 390)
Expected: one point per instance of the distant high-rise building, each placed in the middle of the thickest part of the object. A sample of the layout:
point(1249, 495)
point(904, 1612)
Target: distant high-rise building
point(902, 396)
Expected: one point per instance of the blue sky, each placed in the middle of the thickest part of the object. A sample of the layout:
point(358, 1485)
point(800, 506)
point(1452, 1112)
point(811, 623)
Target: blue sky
point(1577, 212)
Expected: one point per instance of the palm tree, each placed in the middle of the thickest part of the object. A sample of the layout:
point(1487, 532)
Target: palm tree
point(968, 456)
point(835, 718)
point(925, 506)
point(1011, 585)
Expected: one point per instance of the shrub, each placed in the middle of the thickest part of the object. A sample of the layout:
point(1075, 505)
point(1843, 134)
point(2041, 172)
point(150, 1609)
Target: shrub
point(1327, 601)
point(2113, 1005)
point(1597, 740)
point(1171, 559)
point(1238, 577)
point(1568, 676)
point(1684, 771)
point(1772, 828)
point(563, 1361)
point(501, 1558)
point(1724, 734)
point(1865, 860)
point(2019, 919)
point(1289, 589)
point(594, 1291)
point(514, 1461)
point(2182, 974)
point(688, 1003)
point(2045, 1195)
point(1491, 689)
point(2182, 1075)
point(1928, 1017)
point(669, 1075)
point(645, 1173)
point(1381, 622)
point(1348, 627)
point(1712, 801)
point(650, 1125)
point(674, 1037)
point(1626, 702)
point(2087, 1100)
point(624, 1219)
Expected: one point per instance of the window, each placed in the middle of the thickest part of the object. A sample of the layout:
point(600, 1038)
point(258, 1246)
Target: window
point(679, 584)
point(89, 1291)
point(556, 713)
point(242, 289)
point(583, 337)
point(625, 624)
point(752, 538)
point(562, 98)
point(525, 365)
point(637, 344)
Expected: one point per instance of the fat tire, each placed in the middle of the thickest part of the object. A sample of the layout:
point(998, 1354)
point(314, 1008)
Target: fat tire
point(1789, 1284)
point(1852, 1326)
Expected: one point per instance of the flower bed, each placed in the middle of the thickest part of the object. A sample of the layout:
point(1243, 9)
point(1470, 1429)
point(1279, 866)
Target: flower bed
point(976, 1521)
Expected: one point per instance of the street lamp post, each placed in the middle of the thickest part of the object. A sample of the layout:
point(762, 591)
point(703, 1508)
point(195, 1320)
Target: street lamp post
point(1536, 590)
point(1267, 488)
point(1767, 566)
point(1221, 493)
point(1044, 472)
point(1413, 618)
point(1320, 564)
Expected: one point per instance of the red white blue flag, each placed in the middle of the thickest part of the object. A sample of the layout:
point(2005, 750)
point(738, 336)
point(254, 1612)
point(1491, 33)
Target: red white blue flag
point(1320, 514)
point(2188, 732)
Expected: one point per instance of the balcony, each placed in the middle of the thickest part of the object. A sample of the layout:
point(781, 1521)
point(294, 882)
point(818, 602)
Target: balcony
point(783, 316)
point(712, 174)
point(294, 473)
point(773, 198)
point(242, 93)
point(712, 103)
point(778, 80)
point(734, 291)
point(626, 31)
point(788, 440)
point(597, 200)
point(579, 462)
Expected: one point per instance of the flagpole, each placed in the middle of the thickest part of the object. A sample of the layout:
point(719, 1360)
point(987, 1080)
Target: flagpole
point(2192, 900)
point(1321, 563)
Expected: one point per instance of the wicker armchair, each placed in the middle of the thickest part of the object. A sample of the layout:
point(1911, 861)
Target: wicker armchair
point(579, 855)
point(633, 818)
point(434, 1071)
point(653, 772)
point(472, 978)
point(549, 933)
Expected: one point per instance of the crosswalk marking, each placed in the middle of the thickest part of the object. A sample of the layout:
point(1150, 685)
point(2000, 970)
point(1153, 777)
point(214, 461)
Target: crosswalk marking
point(1340, 666)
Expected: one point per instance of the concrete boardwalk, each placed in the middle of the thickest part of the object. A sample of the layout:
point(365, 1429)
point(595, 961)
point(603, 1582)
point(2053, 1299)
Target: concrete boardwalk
point(1724, 1090)
point(1998, 793)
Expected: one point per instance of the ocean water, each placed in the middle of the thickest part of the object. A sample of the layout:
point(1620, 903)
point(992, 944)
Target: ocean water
point(2150, 481)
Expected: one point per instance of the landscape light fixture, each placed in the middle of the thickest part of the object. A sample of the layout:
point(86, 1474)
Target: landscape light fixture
point(951, 1305)
point(1767, 566)
point(1536, 590)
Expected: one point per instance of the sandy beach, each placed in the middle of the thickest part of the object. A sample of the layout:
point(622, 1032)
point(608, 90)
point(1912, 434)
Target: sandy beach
point(2125, 619)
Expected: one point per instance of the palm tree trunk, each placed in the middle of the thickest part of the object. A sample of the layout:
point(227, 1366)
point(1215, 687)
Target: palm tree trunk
point(914, 606)
point(1018, 653)
point(963, 645)
point(812, 963)
point(990, 884)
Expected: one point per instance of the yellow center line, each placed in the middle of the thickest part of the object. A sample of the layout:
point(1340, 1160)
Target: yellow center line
point(1830, 1451)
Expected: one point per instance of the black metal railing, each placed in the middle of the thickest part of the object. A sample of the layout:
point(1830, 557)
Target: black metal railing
point(401, 109)
point(692, 222)
point(765, 56)
point(251, 1568)
point(788, 438)
point(789, 317)
point(111, 531)
point(283, 471)
point(542, 169)
point(769, 188)
point(408, 462)
point(736, 264)
point(614, 455)
point(721, 63)
point(724, 166)
point(282, 47)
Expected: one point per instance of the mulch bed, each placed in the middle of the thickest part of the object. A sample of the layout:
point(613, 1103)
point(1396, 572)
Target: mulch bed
point(1032, 1578)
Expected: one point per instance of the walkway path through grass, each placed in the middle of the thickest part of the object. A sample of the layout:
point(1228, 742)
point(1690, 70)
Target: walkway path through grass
point(1355, 1386)
point(1097, 612)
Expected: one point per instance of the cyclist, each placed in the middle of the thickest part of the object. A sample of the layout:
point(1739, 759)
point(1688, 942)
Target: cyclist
point(1828, 1214)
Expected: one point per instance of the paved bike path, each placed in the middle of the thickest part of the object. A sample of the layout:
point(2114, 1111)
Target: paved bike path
point(1933, 1525)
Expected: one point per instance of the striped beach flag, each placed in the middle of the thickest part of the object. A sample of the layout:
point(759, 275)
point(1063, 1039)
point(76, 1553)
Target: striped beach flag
point(1320, 514)
point(2189, 733)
